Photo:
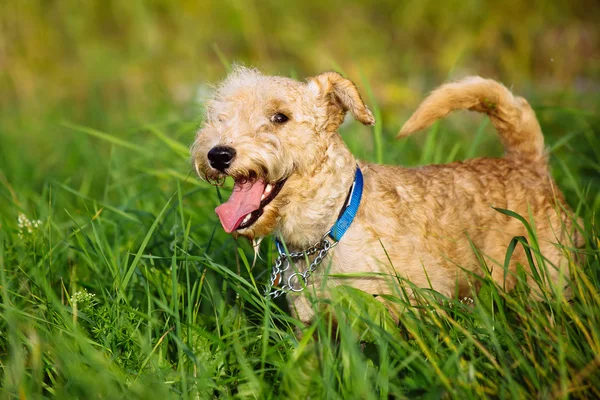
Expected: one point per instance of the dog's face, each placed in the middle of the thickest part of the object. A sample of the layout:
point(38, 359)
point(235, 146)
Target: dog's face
point(266, 132)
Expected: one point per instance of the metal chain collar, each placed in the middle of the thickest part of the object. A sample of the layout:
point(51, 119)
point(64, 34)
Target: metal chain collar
point(297, 281)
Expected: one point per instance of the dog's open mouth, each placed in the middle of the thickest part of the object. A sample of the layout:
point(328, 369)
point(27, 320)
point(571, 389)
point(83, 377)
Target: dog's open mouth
point(246, 203)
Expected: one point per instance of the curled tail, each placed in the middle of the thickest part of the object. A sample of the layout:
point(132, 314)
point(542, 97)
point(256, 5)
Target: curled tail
point(512, 116)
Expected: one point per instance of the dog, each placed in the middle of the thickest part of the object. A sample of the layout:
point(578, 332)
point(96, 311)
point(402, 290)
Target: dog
point(295, 178)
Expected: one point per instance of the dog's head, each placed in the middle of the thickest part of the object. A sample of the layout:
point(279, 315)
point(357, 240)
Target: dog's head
point(267, 132)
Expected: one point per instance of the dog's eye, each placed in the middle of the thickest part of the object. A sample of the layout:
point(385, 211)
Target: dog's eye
point(279, 118)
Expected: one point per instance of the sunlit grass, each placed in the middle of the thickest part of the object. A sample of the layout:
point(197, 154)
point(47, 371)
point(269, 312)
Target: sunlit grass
point(178, 311)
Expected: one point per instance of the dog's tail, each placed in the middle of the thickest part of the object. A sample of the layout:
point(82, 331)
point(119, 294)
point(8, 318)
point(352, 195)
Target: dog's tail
point(512, 116)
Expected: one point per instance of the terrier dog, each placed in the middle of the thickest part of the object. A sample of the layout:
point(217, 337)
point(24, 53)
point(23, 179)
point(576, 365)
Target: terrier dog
point(277, 138)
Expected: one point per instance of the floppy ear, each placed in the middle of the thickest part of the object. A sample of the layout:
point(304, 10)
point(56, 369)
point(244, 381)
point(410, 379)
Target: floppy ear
point(339, 95)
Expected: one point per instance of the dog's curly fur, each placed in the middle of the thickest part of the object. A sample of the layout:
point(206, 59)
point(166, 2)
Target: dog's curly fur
point(420, 223)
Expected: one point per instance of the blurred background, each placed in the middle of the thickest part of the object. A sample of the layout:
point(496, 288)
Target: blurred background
point(116, 66)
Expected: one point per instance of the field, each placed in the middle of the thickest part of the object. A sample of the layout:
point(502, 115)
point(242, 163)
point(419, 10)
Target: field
point(116, 278)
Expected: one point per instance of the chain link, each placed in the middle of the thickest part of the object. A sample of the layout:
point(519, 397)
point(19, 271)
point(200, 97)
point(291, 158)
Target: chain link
point(297, 281)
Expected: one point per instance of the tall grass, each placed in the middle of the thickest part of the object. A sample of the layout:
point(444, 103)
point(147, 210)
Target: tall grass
point(136, 292)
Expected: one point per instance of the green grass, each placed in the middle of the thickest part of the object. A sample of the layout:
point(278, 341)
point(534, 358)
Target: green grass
point(177, 307)
point(129, 288)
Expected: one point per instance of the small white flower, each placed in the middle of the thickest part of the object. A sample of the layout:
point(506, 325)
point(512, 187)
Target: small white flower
point(82, 297)
point(27, 225)
point(467, 300)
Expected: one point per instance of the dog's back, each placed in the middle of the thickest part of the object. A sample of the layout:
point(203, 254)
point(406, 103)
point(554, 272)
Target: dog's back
point(520, 183)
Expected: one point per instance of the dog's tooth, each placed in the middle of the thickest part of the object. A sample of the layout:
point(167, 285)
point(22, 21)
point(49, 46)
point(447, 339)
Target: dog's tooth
point(246, 219)
point(262, 197)
point(268, 188)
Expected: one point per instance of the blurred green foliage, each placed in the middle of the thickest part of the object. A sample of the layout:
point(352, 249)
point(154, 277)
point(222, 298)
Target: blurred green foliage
point(115, 64)
point(136, 51)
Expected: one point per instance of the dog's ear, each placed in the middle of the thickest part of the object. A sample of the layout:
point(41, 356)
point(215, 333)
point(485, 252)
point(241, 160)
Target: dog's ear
point(340, 95)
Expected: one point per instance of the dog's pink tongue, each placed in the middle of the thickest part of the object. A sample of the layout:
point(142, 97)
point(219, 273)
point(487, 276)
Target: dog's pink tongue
point(244, 199)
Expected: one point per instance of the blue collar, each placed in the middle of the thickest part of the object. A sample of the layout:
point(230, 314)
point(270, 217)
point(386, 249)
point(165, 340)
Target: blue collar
point(347, 215)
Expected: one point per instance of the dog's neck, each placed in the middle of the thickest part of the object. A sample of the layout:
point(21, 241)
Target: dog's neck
point(318, 197)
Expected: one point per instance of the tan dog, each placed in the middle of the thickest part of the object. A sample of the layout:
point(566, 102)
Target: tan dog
point(278, 139)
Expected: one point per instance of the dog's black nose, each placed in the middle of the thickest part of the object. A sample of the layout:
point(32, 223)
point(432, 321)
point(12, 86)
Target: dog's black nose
point(221, 157)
